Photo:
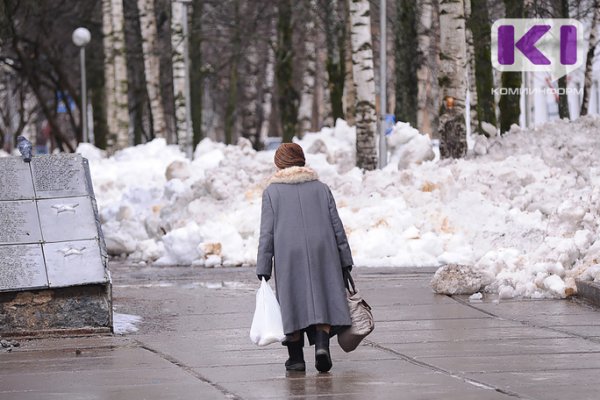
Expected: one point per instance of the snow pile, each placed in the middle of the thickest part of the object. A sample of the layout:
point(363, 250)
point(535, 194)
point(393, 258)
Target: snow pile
point(91, 152)
point(523, 214)
point(3, 153)
point(407, 146)
point(125, 323)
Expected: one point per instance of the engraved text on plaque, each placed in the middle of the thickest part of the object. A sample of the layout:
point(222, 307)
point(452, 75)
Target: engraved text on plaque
point(15, 179)
point(60, 175)
point(22, 266)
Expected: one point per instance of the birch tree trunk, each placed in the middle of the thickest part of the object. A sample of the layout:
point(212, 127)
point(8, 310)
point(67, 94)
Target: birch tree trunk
point(307, 94)
point(121, 103)
point(115, 75)
point(177, 43)
point(109, 73)
point(453, 64)
point(250, 128)
point(364, 78)
point(322, 103)
point(152, 66)
point(587, 84)
point(428, 88)
point(471, 79)
point(267, 95)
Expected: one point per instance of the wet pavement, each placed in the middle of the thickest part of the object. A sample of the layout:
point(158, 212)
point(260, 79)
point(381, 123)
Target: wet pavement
point(192, 343)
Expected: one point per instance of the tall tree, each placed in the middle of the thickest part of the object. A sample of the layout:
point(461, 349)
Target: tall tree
point(453, 68)
point(251, 103)
point(162, 10)
point(287, 95)
point(232, 98)
point(115, 75)
point(267, 87)
point(471, 85)
point(96, 80)
point(152, 66)
point(509, 103)
point(593, 42)
point(428, 87)
point(139, 110)
point(349, 94)
point(479, 24)
point(18, 109)
point(364, 78)
point(196, 74)
point(563, 100)
point(335, 39)
point(33, 45)
point(307, 94)
point(407, 61)
point(178, 62)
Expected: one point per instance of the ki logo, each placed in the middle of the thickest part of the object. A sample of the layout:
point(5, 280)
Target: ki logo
point(547, 45)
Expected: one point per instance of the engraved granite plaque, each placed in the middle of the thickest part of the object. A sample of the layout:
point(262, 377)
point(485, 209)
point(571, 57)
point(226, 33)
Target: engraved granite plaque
point(53, 238)
point(15, 179)
point(74, 263)
point(19, 222)
point(61, 175)
point(70, 218)
point(22, 266)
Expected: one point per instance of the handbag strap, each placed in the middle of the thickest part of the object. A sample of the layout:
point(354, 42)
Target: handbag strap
point(348, 281)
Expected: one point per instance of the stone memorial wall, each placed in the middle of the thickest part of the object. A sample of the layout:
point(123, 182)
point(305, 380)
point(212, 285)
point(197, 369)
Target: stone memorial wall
point(50, 236)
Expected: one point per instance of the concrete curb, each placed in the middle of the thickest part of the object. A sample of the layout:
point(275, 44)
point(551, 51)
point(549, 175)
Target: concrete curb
point(589, 291)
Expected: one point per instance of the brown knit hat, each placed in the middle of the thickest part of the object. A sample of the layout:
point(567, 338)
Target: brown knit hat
point(289, 155)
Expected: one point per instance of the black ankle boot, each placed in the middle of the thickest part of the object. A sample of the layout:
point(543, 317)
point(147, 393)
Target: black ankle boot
point(296, 360)
point(322, 356)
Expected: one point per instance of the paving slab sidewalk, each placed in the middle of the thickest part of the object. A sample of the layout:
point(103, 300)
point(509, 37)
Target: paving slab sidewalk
point(192, 343)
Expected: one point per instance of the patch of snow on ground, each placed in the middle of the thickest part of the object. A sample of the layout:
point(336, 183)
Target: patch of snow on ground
point(125, 323)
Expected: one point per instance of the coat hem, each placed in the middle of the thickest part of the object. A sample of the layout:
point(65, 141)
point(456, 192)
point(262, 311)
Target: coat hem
point(311, 329)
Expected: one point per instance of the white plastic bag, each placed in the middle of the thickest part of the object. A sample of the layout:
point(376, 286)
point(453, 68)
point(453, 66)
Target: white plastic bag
point(267, 326)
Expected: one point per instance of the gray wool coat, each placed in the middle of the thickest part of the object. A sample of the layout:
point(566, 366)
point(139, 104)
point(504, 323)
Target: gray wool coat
point(303, 238)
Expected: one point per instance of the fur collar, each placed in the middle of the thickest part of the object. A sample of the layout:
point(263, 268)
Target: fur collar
point(294, 175)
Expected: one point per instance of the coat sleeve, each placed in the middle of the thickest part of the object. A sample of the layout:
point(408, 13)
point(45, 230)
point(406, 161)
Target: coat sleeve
point(264, 259)
point(340, 234)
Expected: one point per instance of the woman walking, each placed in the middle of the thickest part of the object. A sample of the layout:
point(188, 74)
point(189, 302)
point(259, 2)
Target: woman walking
point(303, 239)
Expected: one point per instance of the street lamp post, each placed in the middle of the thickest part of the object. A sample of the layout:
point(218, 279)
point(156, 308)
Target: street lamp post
point(81, 37)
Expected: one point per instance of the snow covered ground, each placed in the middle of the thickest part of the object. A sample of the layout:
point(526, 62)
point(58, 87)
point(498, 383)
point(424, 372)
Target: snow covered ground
point(519, 215)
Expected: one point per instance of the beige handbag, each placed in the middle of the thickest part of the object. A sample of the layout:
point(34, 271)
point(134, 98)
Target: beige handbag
point(362, 317)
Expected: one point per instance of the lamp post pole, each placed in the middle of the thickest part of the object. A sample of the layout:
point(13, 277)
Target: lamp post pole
point(83, 95)
point(81, 37)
